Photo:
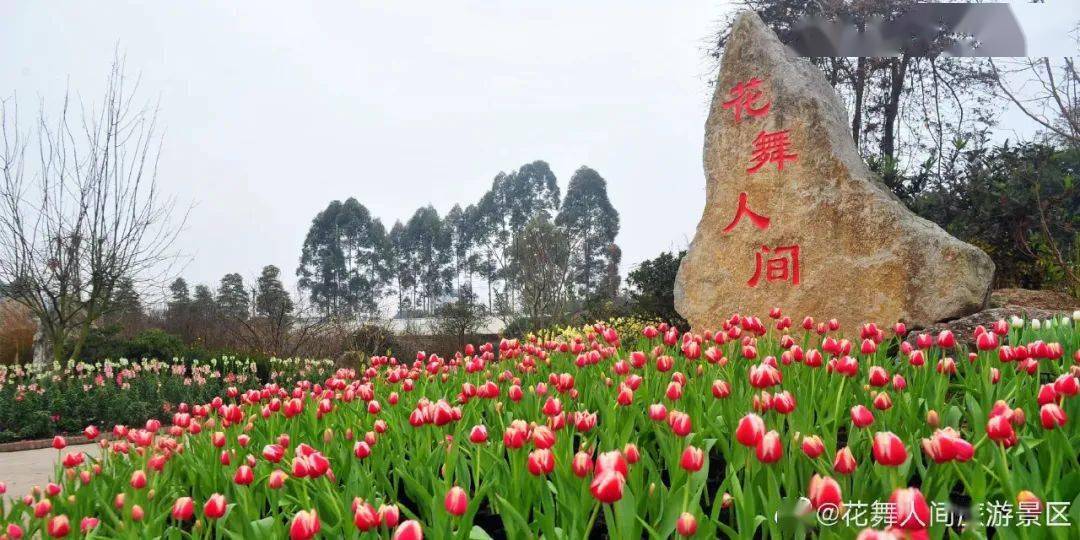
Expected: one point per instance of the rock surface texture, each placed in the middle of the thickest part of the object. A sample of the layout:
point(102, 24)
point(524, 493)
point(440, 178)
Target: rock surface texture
point(794, 219)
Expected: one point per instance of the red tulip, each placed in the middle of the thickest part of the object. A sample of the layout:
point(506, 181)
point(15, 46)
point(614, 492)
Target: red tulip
point(812, 446)
point(783, 402)
point(607, 486)
point(138, 479)
point(59, 443)
point(361, 449)
point(364, 516)
point(882, 401)
point(750, 430)
point(1067, 385)
point(91, 432)
point(215, 506)
point(721, 389)
point(1052, 416)
point(183, 509)
point(764, 375)
point(389, 514)
point(273, 453)
point(244, 476)
point(543, 437)
point(72, 460)
point(613, 460)
point(88, 524)
point(305, 525)
point(277, 479)
point(686, 525)
point(1047, 394)
point(541, 462)
point(409, 530)
point(946, 339)
point(674, 391)
point(456, 501)
point(14, 531)
point(680, 423)
point(861, 416)
point(693, 459)
point(999, 428)
point(657, 412)
point(909, 510)
point(58, 526)
point(42, 508)
point(769, 449)
point(582, 464)
point(986, 341)
point(899, 383)
point(824, 491)
point(845, 462)
point(889, 449)
point(878, 376)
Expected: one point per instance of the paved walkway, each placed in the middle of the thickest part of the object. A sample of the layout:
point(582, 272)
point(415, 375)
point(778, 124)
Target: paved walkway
point(28, 468)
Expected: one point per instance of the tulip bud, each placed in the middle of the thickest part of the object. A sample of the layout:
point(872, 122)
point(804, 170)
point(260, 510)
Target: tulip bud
point(305, 525)
point(215, 506)
point(932, 419)
point(456, 501)
point(686, 525)
point(183, 509)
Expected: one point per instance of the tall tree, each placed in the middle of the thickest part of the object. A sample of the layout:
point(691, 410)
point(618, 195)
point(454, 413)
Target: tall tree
point(179, 296)
point(513, 201)
point(403, 266)
point(204, 314)
point(430, 243)
point(178, 310)
point(232, 297)
point(85, 216)
point(271, 298)
point(587, 214)
point(460, 230)
point(126, 303)
point(541, 263)
point(342, 263)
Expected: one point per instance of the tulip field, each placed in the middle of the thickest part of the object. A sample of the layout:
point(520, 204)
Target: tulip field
point(769, 427)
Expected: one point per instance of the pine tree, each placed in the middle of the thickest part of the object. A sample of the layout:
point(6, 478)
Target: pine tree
point(271, 298)
point(232, 297)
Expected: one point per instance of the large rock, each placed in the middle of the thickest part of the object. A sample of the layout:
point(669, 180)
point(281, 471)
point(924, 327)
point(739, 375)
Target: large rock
point(861, 255)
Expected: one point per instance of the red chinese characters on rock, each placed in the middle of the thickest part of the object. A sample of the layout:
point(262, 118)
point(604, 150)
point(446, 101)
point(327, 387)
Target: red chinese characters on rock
point(771, 147)
point(783, 265)
point(745, 98)
point(779, 263)
point(759, 221)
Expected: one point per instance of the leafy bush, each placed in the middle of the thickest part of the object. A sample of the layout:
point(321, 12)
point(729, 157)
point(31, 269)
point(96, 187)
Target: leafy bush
point(1021, 205)
point(652, 288)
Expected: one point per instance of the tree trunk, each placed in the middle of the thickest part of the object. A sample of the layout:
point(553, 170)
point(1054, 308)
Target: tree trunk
point(897, 75)
point(859, 85)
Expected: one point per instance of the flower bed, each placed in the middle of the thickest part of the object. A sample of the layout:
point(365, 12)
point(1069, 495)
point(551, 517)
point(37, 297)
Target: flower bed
point(763, 427)
point(36, 403)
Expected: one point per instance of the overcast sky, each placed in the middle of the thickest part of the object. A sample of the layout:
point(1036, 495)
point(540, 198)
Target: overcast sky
point(274, 109)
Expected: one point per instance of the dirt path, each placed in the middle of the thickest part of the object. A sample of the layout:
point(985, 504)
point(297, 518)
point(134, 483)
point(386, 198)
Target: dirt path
point(28, 468)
